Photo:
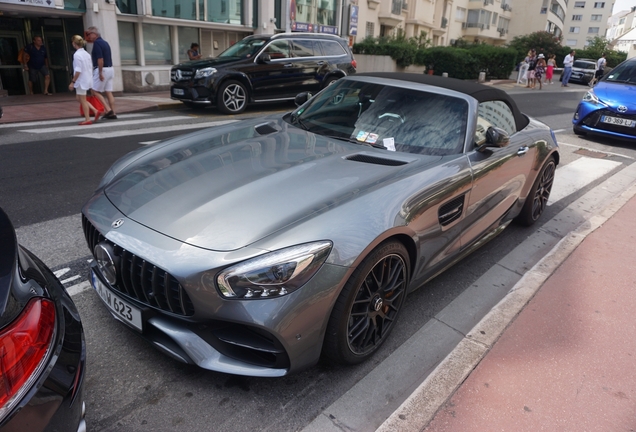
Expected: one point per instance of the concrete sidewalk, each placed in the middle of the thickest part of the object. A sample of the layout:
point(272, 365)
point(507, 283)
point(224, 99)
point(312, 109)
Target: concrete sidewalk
point(65, 105)
point(557, 354)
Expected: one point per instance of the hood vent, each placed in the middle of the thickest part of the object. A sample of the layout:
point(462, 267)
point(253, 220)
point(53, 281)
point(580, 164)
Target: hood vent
point(375, 160)
point(265, 129)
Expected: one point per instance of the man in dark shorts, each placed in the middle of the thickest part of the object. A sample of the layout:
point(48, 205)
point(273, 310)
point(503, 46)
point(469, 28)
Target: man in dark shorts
point(38, 64)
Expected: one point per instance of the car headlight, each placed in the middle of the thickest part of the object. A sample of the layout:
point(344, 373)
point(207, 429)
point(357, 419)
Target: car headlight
point(273, 274)
point(205, 72)
point(592, 98)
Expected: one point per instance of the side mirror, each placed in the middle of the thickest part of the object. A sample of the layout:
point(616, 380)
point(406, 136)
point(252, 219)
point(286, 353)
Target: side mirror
point(301, 98)
point(496, 137)
point(264, 58)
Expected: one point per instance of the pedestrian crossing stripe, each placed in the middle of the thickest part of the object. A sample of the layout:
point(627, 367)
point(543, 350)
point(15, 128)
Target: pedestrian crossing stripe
point(180, 127)
point(107, 124)
point(61, 121)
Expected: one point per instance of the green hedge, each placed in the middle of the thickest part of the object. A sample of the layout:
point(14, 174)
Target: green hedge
point(461, 63)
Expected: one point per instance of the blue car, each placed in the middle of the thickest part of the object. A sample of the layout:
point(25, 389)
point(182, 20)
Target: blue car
point(609, 109)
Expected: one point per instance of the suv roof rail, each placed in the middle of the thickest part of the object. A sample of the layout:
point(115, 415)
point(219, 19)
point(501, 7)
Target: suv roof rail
point(303, 34)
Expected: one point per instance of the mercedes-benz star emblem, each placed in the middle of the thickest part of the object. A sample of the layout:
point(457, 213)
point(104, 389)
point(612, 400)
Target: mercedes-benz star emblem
point(117, 223)
point(177, 75)
point(622, 109)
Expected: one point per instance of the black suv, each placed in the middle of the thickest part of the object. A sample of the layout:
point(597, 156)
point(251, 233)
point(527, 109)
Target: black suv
point(263, 68)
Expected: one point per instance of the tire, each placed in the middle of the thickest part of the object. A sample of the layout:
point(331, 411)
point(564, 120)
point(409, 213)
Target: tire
point(539, 194)
point(330, 81)
point(232, 97)
point(368, 306)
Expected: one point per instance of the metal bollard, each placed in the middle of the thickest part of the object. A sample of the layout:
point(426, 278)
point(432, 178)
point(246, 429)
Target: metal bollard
point(445, 74)
point(482, 77)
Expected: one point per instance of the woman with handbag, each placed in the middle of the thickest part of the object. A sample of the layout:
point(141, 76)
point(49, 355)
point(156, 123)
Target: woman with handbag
point(83, 79)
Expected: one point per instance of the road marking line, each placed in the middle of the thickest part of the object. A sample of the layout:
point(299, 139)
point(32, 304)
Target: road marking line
point(61, 272)
point(578, 174)
point(72, 278)
point(596, 150)
point(76, 289)
point(74, 120)
point(107, 124)
point(146, 131)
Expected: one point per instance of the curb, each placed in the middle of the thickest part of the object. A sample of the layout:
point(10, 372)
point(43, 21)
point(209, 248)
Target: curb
point(421, 407)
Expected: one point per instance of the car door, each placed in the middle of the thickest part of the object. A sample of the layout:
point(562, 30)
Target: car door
point(274, 74)
point(499, 173)
point(306, 53)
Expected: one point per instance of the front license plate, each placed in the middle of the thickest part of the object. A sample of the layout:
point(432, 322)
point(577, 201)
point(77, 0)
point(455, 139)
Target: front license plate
point(121, 308)
point(618, 121)
point(178, 92)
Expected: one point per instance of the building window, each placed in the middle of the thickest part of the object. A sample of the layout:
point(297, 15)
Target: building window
point(579, 4)
point(596, 18)
point(174, 9)
point(157, 44)
point(221, 12)
point(621, 21)
point(126, 6)
point(577, 17)
point(571, 42)
point(460, 14)
point(370, 29)
point(575, 29)
point(187, 36)
point(593, 30)
point(396, 7)
point(127, 45)
point(495, 16)
point(599, 5)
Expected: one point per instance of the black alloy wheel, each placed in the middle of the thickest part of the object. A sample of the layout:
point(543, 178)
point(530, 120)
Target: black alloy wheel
point(538, 197)
point(370, 302)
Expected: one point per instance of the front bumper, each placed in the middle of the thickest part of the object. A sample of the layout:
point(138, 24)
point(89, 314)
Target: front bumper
point(191, 93)
point(587, 118)
point(266, 337)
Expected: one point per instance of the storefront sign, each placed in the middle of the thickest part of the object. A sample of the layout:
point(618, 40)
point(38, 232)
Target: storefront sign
point(328, 29)
point(302, 27)
point(40, 3)
point(353, 20)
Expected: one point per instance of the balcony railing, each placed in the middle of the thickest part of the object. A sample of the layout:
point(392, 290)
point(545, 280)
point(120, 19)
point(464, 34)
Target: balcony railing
point(480, 26)
point(444, 22)
point(506, 7)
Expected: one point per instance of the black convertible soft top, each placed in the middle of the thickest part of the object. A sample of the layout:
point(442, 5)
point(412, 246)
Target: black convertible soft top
point(478, 91)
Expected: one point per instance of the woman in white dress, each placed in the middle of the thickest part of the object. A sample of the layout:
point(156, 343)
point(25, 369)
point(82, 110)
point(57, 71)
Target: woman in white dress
point(83, 79)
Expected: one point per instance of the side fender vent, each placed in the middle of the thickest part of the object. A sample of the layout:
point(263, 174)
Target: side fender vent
point(265, 129)
point(451, 211)
point(375, 160)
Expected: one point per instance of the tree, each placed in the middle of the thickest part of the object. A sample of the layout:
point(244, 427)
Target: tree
point(544, 42)
point(597, 46)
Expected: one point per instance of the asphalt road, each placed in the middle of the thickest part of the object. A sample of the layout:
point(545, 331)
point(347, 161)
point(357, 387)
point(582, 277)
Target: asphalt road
point(132, 387)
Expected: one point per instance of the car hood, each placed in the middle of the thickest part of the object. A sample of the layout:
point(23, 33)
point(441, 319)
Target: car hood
point(616, 94)
point(228, 187)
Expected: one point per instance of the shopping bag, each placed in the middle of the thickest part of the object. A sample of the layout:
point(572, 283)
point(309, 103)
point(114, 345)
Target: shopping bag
point(93, 101)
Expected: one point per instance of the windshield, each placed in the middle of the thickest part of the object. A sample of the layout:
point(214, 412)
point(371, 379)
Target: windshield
point(584, 65)
point(624, 72)
point(393, 118)
point(244, 49)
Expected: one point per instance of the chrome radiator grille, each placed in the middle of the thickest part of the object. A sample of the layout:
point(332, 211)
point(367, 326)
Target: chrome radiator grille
point(141, 280)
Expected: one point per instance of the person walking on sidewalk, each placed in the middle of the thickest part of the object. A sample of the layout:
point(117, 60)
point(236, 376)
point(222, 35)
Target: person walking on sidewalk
point(567, 68)
point(83, 79)
point(38, 64)
point(539, 71)
point(549, 73)
point(103, 72)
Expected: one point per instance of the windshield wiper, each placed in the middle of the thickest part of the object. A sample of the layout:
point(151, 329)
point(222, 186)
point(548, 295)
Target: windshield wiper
point(297, 121)
point(355, 141)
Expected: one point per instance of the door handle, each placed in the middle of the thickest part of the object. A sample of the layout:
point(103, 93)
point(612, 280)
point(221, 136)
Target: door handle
point(522, 150)
point(320, 63)
point(288, 65)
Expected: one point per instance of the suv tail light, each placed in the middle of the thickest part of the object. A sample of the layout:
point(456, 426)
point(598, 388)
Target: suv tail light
point(23, 350)
point(354, 63)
